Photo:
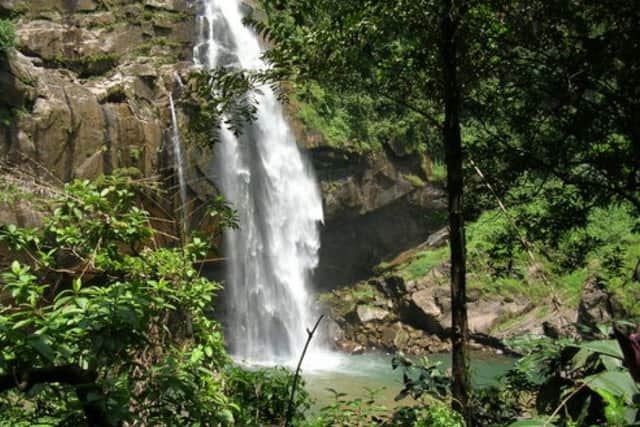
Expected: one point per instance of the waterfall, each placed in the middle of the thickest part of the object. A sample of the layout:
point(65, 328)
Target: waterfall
point(264, 175)
point(177, 160)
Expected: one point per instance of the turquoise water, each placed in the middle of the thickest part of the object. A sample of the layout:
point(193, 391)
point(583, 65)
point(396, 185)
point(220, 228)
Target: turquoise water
point(354, 374)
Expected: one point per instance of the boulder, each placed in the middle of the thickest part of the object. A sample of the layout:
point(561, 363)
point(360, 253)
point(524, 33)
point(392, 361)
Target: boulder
point(333, 330)
point(170, 5)
point(595, 306)
point(350, 347)
point(484, 315)
point(394, 336)
point(369, 313)
point(55, 42)
point(438, 239)
point(421, 311)
point(425, 302)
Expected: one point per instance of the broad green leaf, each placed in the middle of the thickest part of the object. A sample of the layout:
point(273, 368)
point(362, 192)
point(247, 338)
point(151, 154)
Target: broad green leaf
point(41, 345)
point(608, 347)
point(617, 383)
point(611, 363)
point(21, 324)
point(15, 268)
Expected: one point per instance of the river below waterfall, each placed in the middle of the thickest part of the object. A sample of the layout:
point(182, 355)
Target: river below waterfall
point(354, 374)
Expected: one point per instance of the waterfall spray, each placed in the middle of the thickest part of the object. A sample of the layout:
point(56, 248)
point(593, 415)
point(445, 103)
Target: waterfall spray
point(264, 175)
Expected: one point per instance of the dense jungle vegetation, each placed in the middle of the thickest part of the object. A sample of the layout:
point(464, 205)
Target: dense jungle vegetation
point(529, 111)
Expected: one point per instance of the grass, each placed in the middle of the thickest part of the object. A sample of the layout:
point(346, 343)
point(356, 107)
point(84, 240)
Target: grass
point(423, 262)
point(571, 284)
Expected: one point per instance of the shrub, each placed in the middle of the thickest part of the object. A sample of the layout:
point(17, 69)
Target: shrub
point(261, 396)
point(98, 323)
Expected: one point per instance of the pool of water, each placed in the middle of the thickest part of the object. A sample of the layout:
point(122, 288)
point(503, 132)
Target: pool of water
point(354, 374)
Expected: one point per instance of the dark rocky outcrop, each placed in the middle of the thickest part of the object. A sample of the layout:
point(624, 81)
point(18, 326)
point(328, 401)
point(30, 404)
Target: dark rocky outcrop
point(373, 211)
point(597, 307)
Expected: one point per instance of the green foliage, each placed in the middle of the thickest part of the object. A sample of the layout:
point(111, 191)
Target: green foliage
point(582, 383)
point(261, 396)
point(357, 122)
point(7, 36)
point(569, 242)
point(222, 97)
point(493, 243)
point(414, 180)
point(345, 412)
point(437, 414)
point(438, 172)
point(99, 298)
point(560, 383)
point(423, 262)
point(421, 378)
point(570, 129)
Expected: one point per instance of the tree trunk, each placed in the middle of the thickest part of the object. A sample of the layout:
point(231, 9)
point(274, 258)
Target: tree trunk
point(453, 157)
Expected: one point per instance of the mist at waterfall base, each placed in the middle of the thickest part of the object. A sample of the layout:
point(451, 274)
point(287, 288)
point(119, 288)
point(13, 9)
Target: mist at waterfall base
point(263, 174)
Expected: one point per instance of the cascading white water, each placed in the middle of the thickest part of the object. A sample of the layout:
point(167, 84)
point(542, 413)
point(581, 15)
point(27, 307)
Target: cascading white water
point(177, 158)
point(263, 174)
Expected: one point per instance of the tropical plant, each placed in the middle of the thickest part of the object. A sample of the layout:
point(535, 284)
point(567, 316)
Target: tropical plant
point(262, 396)
point(101, 326)
point(578, 384)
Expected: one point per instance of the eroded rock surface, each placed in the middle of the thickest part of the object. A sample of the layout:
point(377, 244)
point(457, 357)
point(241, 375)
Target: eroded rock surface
point(376, 206)
point(86, 90)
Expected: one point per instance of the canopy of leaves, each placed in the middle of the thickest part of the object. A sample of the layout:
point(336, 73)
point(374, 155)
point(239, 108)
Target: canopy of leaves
point(548, 88)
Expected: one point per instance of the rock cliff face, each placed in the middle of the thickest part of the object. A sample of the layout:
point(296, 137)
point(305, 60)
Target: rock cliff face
point(86, 93)
point(376, 206)
point(86, 90)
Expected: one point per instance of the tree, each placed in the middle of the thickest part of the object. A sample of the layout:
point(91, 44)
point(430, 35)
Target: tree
point(564, 92)
point(451, 15)
point(543, 93)
point(404, 51)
